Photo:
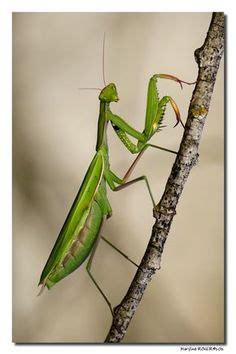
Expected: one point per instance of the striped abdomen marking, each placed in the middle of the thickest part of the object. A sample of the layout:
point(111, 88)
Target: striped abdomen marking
point(80, 239)
point(81, 246)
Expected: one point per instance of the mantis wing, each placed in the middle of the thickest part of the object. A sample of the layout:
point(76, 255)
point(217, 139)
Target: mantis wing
point(77, 214)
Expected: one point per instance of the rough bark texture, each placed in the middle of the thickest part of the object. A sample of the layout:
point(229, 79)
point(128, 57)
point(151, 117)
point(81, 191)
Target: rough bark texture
point(208, 59)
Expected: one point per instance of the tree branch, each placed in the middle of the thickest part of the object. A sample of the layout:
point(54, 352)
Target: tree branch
point(208, 59)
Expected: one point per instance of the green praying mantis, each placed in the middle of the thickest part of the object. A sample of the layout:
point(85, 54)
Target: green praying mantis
point(82, 229)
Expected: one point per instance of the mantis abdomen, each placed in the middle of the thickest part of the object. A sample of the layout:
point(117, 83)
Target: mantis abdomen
point(80, 247)
point(82, 226)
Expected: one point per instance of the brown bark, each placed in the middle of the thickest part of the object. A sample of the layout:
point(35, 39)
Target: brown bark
point(208, 59)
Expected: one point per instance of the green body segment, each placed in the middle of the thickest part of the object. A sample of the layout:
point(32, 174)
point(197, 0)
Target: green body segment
point(80, 246)
point(152, 106)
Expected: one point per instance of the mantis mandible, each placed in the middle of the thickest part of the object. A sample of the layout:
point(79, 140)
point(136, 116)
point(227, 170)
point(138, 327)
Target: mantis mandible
point(81, 231)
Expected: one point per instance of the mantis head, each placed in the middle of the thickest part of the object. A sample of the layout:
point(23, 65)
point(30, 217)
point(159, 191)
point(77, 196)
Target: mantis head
point(109, 94)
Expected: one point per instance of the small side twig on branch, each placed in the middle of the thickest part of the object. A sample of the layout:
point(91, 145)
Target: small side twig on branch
point(208, 59)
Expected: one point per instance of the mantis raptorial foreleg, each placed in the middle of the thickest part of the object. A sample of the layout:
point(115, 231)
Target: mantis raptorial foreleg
point(155, 111)
point(123, 131)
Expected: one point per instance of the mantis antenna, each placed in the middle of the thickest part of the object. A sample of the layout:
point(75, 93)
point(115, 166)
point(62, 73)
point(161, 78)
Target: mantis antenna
point(103, 68)
point(103, 58)
point(89, 88)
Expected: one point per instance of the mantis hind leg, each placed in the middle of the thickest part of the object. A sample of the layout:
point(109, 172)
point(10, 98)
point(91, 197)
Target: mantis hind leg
point(88, 269)
point(119, 251)
point(89, 265)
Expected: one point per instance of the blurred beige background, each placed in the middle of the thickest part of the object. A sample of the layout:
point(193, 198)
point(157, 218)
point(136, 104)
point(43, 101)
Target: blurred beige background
point(54, 134)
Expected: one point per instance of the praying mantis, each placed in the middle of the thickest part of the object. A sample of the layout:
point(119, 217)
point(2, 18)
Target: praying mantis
point(82, 229)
